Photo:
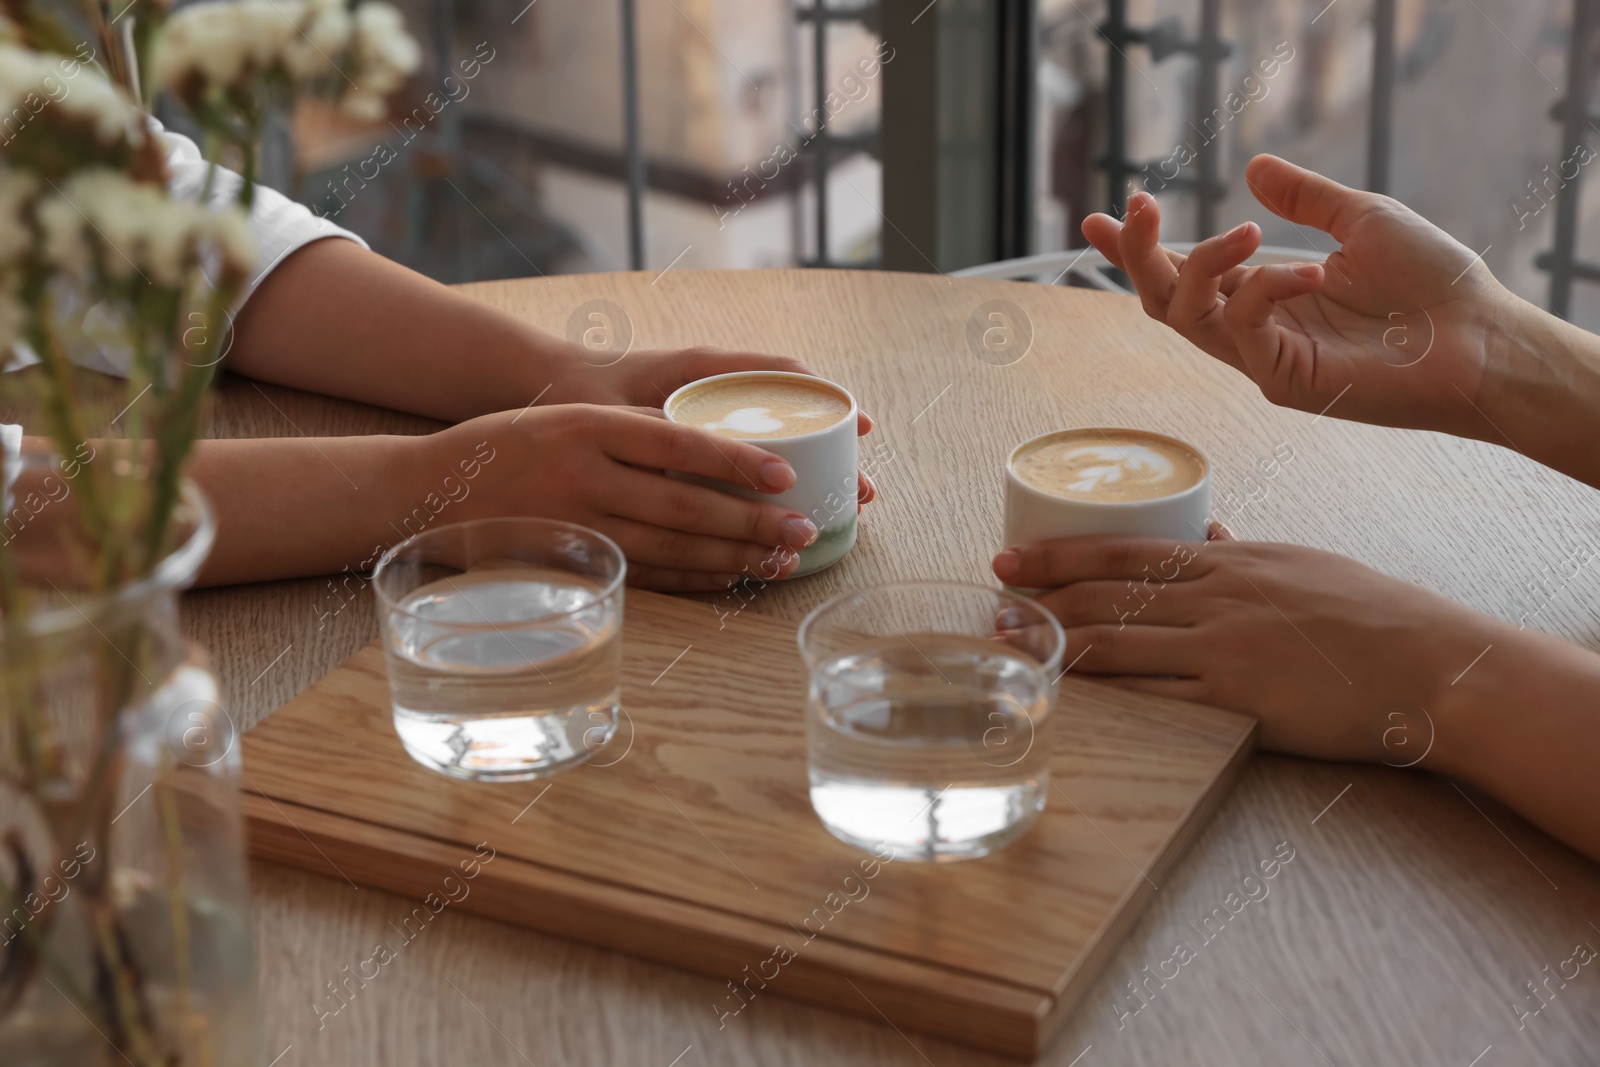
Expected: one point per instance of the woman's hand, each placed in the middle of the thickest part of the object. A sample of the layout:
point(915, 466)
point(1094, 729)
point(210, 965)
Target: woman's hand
point(646, 379)
point(603, 467)
point(1401, 326)
point(1336, 660)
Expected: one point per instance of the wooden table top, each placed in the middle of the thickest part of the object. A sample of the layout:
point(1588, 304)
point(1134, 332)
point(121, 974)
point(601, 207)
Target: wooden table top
point(1404, 930)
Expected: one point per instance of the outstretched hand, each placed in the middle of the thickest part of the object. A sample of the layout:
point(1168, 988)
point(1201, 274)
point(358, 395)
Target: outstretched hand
point(1396, 326)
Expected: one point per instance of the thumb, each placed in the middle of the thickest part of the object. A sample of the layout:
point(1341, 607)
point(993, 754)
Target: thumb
point(1305, 197)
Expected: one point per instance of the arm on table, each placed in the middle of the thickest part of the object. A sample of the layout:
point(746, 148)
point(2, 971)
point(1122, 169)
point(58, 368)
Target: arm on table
point(302, 506)
point(1523, 725)
point(336, 319)
point(329, 316)
point(288, 507)
point(1336, 661)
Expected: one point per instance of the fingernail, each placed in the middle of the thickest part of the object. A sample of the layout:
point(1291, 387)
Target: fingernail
point(869, 421)
point(798, 531)
point(1308, 270)
point(1009, 619)
point(1238, 231)
point(1006, 564)
point(777, 474)
point(787, 560)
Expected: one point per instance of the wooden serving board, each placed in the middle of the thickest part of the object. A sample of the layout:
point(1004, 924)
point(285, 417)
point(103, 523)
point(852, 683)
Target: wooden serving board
point(690, 839)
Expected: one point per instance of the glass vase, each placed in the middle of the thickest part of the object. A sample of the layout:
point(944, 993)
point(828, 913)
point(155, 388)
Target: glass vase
point(125, 931)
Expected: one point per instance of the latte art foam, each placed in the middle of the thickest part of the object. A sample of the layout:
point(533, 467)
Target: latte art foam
point(757, 408)
point(1110, 465)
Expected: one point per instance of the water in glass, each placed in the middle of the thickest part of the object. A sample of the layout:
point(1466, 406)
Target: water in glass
point(505, 672)
point(932, 743)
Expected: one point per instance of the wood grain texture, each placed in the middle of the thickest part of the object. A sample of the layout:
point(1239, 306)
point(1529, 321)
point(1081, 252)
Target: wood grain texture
point(689, 839)
point(1403, 931)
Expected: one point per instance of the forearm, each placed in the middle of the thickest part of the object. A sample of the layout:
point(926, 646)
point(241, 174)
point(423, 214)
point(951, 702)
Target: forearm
point(293, 506)
point(285, 507)
point(1523, 725)
point(337, 319)
point(1541, 391)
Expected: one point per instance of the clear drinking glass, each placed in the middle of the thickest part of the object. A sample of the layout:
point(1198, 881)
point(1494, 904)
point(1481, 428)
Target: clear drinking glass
point(503, 639)
point(927, 725)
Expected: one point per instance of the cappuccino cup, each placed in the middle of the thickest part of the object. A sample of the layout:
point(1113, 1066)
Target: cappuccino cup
point(806, 421)
point(1101, 480)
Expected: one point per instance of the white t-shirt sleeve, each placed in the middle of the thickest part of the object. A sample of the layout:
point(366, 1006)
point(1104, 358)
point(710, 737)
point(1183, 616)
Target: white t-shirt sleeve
point(279, 225)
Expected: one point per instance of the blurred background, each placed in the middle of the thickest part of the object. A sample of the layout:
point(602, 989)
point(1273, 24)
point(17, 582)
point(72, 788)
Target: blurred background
point(922, 136)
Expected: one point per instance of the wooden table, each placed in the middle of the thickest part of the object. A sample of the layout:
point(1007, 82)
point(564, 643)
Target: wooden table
point(1402, 932)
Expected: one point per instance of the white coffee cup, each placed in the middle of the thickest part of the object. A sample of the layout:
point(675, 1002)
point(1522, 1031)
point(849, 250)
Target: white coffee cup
point(824, 462)
point(1034, 514)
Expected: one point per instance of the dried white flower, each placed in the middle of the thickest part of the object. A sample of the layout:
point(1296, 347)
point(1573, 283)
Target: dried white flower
point(233, 43)
point(327, 25)
point(137, 227)
point(384, 52)
point(26, 75)
point(226, 44)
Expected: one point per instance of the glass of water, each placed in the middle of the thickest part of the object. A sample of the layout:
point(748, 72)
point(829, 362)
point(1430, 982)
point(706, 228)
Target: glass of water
point(503, 639)
point(927, 725)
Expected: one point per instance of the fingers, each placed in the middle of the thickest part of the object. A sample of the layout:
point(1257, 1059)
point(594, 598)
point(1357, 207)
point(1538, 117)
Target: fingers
point(1145, 261)
point(1249, 313)
point(684, 507)
point(1306, 197)
point(1195, 300)
point(649, 545)
point(662, 445)
point(1105, 233)
point(1163, 651)
point(1079, 559)
point(1218, 532)
point(1146, 602)
point(866, 491)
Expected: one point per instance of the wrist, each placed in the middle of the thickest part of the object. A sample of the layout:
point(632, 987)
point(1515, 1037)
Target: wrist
point(1511, 361)
point(444, 473)
point(510, 364)
point(1480, 707)
point(1540, 392)
point(1522, 732)
point(535, 366)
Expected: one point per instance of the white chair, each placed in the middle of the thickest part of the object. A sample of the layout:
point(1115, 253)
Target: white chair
point(1093, 269)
